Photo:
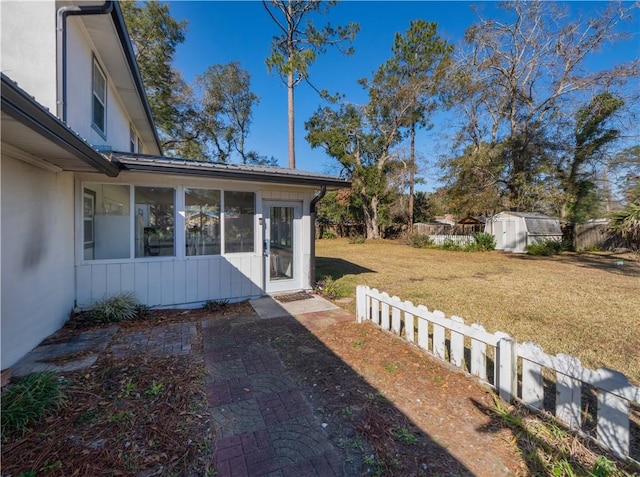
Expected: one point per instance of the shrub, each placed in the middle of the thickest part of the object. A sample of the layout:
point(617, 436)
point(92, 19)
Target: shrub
point(484, 241)
point(121, 307)
point(356, 238)
point(626, 224)
point(328, 235)
point(450, 244)
point(215, 305)
point(419, 240)
point(27, 401)
point(330, 288)
point(545, 248)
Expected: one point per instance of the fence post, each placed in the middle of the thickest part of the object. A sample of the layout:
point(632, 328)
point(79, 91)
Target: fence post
point(506, 367)
point(613, 412)
point(457, 344)
point(361, 303)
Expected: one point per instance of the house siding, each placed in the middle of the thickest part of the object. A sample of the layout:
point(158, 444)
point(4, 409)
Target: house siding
point(37, 255)
point(29, 47)
point(80, 54)
point(185, 281)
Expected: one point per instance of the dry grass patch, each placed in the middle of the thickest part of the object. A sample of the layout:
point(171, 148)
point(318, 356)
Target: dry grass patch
point(584, 305)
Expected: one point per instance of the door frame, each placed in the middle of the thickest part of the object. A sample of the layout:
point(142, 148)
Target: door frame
point(295, 283)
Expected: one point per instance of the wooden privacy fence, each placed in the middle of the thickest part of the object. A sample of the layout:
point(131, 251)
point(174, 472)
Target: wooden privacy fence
point(596, 404)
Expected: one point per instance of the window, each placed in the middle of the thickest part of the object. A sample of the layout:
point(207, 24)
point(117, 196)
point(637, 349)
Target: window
point(239, 210)
point(107, 222)
point(99, 98)
point(129, 221)
point(202, 221)
point(154, 222)
point(132, 139)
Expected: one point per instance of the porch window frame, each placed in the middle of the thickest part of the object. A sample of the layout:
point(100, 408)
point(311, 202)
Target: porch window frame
point(179, 218)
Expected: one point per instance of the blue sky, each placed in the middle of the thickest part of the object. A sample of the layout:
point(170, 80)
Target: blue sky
point(225, 31)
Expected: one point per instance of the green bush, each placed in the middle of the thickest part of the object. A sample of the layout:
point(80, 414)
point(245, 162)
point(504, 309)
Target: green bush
point(27, 401)
point(330, 288)
point(545, 248)
point(357, 239)
point(450, 244)
point(419, 240)
point(484, 242)
point(121, 307)
point(215, 305)
point(328, 235)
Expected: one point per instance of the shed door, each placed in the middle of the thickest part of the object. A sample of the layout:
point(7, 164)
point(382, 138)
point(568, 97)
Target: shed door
point(282, 240)
point(498, 231)
point(510, 234)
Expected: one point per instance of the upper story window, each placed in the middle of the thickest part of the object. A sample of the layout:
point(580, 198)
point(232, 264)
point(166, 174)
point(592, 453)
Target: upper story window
point(132, 139)
point(99, 98)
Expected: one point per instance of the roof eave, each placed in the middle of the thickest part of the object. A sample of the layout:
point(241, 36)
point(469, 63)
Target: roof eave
point(24, 109)
point(275, 177)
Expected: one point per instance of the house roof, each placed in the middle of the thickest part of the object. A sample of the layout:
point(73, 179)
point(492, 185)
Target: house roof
point(278, 175)
point(35, 134)
point(113, 43)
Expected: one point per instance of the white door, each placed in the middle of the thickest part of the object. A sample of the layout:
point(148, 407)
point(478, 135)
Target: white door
point(282, 241)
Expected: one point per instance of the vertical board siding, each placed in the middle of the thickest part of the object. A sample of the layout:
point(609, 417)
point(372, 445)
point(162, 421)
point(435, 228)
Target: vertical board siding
point(514, 363)
point(171, 282)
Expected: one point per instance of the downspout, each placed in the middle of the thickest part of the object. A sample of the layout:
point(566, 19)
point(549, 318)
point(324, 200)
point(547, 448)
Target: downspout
point(312, 216)
point(61, 49)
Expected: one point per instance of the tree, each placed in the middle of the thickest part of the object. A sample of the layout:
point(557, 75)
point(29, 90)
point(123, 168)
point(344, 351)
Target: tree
point(155, 34)
point(416, 71)
point(517, 79)
point(592, 135)
point(298, 45)
point(226, 106)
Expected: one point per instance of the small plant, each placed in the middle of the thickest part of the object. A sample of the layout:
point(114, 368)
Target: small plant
point(484, 241)
point(417, 240)
point(29, 400)
point(406, 436)
point(120, 416)
point(155, 389)
point(215, 305)
point(390, 367)
point(357, 239)
point(358, 344)
point(121, 307)
point(545, 248)
point(603, 467)
point(128, 389)
point(450, 244)
point(329, 288)
point(328, 235)
point(142, 311)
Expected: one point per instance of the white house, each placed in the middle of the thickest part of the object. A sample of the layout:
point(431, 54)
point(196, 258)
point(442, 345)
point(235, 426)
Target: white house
point(81, 222)
point(515, 230)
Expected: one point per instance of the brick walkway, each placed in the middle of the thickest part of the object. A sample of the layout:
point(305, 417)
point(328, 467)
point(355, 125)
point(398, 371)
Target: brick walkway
point(264, 425)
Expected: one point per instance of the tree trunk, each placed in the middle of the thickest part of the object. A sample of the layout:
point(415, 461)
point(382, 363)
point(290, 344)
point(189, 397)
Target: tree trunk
point(292, 150)
point(370, 212)
point(412, 177)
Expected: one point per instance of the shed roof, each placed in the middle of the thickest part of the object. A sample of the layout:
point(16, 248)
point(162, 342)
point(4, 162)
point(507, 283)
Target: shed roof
point(538, 224)
point(278, 175)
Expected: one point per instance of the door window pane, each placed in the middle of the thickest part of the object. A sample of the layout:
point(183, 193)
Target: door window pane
point(239, 210)
point(281, 243)
point(202, 221)
point(154, 222)
point(107, 222)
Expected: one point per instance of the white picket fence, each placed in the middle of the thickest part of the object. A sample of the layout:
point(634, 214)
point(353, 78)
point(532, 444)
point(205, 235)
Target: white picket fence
point(516, 371)
point(461, 240)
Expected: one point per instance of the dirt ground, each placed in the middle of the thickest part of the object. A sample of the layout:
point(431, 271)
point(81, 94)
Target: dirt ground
point(386, 405)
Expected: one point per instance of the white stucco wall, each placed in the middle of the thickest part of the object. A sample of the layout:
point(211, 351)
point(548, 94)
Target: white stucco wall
point(80, 53)
point(29, 47)
point(37, 255)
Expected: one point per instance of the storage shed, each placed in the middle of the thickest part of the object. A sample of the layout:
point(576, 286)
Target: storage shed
point(515, 230)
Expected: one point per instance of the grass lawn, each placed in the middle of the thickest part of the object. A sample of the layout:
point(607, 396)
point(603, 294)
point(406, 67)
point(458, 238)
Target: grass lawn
point(585, 305)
